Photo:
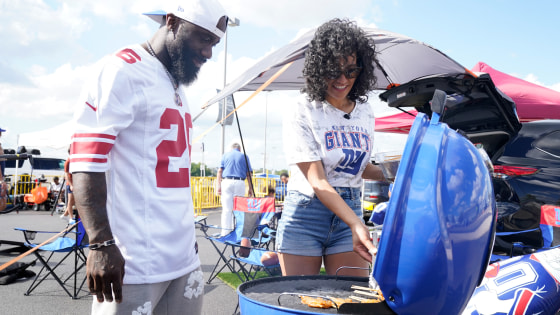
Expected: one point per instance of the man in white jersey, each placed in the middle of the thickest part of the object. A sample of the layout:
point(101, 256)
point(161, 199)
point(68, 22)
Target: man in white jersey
point(130, 162)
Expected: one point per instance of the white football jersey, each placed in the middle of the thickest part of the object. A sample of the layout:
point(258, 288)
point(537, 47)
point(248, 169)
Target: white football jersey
point(318, 131)
point(129, 126)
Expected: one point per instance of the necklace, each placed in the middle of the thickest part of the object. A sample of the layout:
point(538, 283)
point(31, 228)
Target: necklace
point(342, 107)
point(178, 101)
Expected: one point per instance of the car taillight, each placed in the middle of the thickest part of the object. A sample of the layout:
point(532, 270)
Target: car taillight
point(504, 171)
point(372, 197)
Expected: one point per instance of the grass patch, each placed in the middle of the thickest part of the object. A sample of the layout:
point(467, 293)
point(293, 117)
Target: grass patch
point(233, 281)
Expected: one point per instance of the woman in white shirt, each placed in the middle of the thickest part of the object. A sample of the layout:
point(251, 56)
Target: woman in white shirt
point(328, 139)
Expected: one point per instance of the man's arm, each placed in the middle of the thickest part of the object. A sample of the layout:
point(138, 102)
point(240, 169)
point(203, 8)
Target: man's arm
point(105, 265)
point(251, 190)
point(373, 172)
point(219, 179)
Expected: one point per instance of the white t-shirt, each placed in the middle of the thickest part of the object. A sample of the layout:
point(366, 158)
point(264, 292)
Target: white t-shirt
point(129, 126)
point(318, 131)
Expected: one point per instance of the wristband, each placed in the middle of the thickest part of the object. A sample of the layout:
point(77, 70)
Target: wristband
point(97, 246)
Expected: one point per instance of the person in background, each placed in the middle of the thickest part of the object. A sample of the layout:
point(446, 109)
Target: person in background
point(3, 185)
point(284, 178)
point(328, 138)
point(235, 167)
point(130, 164)
point(2, 160)
point(68, 213)
point(55, 188)
point(282, 186)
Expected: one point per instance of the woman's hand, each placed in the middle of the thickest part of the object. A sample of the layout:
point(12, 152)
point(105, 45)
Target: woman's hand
point(361, 241)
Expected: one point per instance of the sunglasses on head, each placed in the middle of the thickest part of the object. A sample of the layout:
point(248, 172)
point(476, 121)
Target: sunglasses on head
point(349, 73)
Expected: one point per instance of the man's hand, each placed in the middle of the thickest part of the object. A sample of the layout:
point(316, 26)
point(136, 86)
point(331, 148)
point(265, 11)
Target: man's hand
point(105, 273)
point(105, 265)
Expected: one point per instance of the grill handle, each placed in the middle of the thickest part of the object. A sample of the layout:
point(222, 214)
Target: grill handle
point(348, 267)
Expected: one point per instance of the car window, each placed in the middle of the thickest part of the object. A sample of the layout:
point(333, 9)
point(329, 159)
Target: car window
point(48, 164)
point(12, 163)
point(375, 187)
point(549, 143)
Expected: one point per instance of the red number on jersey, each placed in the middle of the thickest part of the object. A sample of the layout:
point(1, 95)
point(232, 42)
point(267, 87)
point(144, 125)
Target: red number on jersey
point(176, 148)
point(128, 55)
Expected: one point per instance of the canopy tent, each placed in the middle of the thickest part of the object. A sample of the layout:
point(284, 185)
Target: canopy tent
point(397, 123)
point(57, 137)
point(533, 102)
point(400, 59)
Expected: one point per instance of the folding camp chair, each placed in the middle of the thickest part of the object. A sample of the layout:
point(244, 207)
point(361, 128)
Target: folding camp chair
point(252, 216)
point(249, 266)
point(72, 244)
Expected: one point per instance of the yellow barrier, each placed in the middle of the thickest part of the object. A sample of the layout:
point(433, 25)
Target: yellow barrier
point(203, 190)
point(205, 195)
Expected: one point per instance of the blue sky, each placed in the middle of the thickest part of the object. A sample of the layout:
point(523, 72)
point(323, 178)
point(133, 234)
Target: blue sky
point(48, 47)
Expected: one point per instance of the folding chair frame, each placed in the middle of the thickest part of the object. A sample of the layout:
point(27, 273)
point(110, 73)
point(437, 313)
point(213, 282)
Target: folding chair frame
point(232, 241)
point(80, 259)
point(249, 266)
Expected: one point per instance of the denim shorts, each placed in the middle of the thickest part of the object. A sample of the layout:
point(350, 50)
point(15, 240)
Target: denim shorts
point(308, 228)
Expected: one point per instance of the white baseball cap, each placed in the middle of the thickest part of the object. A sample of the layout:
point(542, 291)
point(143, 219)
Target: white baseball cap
point(208, 14)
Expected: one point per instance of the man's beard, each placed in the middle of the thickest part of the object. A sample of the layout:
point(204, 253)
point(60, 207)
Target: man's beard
point(183, 68)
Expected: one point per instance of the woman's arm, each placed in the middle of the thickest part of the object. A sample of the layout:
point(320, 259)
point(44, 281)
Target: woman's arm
point(315, 175)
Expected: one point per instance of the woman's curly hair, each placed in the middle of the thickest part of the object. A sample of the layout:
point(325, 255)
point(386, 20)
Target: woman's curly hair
point(334, 40)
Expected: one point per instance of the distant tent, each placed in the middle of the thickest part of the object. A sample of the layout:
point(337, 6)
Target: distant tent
point(57, 137)
point(534, 102)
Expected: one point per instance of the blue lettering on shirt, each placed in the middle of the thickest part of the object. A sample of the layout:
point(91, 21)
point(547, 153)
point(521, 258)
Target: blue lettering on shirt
point(352, 162)
point(354, 145)
point(340, 139)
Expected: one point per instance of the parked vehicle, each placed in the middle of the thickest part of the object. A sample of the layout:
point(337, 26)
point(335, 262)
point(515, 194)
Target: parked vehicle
point(373, 193)
point(526, 178)
point(525, 157)
point(32, 171)
point(36, 165)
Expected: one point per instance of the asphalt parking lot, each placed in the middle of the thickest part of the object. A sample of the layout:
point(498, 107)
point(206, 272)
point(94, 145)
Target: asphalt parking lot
point(49, 298)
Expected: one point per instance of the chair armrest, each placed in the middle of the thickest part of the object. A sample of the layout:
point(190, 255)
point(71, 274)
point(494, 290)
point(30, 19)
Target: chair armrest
point(516, 232)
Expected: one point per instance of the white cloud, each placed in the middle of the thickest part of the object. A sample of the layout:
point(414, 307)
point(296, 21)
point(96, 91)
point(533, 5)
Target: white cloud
point(34, 32)
point(294, 14)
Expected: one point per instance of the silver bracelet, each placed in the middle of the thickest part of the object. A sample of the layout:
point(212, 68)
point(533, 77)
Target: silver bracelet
point(99, 245)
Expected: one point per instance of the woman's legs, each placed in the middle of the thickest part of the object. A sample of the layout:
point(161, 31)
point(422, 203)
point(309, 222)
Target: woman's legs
point(295, 265)
point(347, 259)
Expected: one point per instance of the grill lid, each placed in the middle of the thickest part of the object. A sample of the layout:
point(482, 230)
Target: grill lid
point(439, 224)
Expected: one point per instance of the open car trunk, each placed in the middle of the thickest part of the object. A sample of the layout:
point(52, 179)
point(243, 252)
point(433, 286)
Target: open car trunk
point(474, 107)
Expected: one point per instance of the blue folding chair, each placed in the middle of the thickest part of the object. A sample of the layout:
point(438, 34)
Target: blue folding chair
point(252, 219)
point(72, 243)
point(249, 266)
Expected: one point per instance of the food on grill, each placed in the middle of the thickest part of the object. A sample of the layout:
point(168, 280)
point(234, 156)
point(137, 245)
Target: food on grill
point(376, 293)
point(318, 302)
point(365, 300)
